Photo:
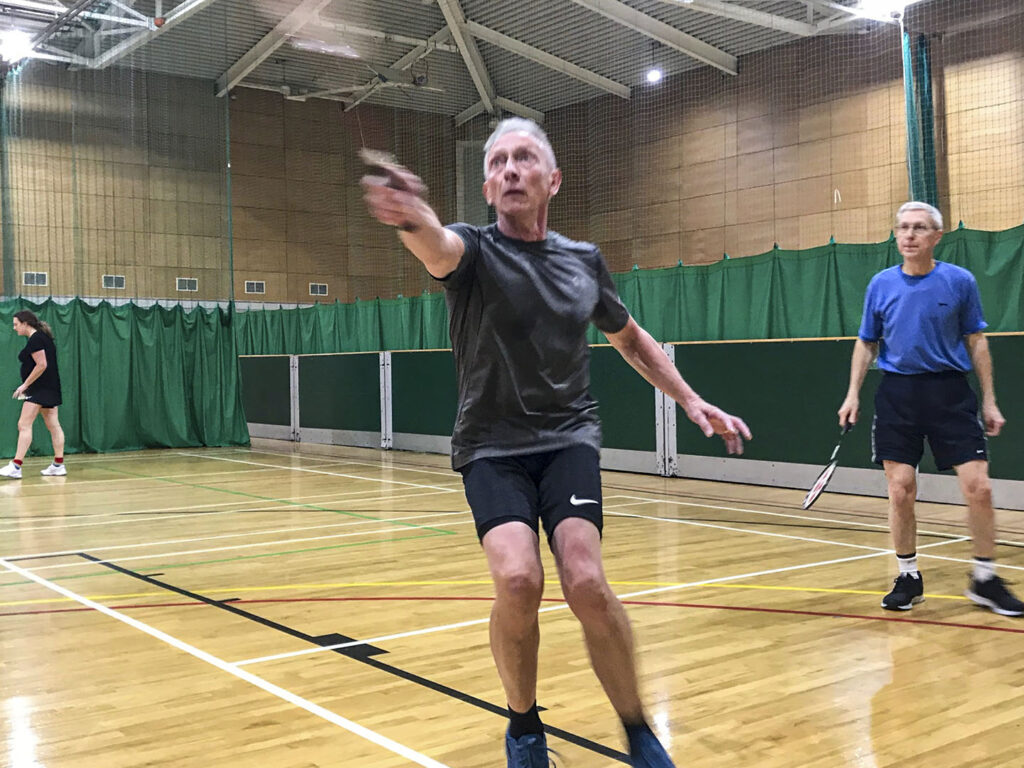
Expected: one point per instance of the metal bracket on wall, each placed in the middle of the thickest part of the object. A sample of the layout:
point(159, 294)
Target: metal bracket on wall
point(293, 394)
point(665, 425)
point(386, 430)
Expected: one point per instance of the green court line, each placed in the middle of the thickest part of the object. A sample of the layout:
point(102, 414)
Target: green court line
point(431, 535)
point(278, 501)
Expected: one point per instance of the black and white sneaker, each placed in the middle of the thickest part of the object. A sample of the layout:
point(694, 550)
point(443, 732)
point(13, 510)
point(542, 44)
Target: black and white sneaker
point(907, 591)
point(993, 594)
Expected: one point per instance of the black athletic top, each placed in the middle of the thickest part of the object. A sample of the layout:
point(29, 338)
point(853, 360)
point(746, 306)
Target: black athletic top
point(518, 316)
point(49, 382)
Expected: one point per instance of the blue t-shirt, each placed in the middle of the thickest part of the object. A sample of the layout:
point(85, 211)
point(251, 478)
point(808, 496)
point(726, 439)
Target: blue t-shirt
point(921, 320)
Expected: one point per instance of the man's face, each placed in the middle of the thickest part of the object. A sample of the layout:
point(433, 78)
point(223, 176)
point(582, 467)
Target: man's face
point(519, 176)
point(916, 235)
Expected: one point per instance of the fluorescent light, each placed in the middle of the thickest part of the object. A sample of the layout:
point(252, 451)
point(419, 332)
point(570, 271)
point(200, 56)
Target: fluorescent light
point(882, 10)
point(15, 45)
point(653, 75)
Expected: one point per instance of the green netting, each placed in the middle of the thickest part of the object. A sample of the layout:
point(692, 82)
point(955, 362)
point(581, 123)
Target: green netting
point(133, 377)
point(775, 295)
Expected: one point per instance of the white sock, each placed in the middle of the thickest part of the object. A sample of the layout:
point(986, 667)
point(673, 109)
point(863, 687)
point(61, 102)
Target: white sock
point(984, 569)
point(908, 564)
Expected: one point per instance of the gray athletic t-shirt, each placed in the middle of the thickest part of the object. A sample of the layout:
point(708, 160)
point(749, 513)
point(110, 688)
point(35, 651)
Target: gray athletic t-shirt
point(518, 315)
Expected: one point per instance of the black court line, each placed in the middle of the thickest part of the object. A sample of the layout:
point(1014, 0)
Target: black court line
point(361, 653)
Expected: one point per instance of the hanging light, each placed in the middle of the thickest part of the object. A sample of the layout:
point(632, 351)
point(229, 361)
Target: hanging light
point(653, 75)
point(15, 45)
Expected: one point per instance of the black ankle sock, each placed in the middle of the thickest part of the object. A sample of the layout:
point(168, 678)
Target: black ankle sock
point(521, 723)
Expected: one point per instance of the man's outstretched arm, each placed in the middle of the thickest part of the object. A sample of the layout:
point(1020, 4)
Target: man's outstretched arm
point(641, 351)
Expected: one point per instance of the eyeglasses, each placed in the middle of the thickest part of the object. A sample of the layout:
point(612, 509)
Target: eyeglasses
point(917, 229)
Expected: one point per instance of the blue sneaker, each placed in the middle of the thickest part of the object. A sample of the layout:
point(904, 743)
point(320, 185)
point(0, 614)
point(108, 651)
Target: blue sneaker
point(528, 751)
point(645, 751)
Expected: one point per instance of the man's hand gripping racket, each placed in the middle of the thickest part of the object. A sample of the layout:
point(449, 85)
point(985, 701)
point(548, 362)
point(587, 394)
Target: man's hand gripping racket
point(393, 193)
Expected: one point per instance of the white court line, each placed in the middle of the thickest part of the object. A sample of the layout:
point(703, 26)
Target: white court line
point(697, 524)
point(402, 468)
point(404, 529)
point(563, 606)
point(789, 515)
point(346, 524)
point(323, 472)
point(999, 565)
point(233, 669)
point(295, 502)
point(142, 478)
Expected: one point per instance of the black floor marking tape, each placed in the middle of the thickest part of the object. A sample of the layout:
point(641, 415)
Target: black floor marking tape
point(363, 654)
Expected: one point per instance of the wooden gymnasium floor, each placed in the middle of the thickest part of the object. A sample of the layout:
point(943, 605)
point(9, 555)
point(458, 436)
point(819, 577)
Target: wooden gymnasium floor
point(170, 608)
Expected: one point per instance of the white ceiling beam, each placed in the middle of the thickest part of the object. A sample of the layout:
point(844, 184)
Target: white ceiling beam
point(469, 113)
point(663, 33)
point(506, 104)
point(376, 34)
point(456, 21)
point(747, 15)
point(57, 10)
point(826, 5)
point(519, 109)
point(306, 11)
point(433, 42)
point(488, 35)
point(173, 19)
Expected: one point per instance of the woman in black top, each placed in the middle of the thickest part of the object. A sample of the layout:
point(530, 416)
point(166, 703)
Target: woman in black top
point(40, 391)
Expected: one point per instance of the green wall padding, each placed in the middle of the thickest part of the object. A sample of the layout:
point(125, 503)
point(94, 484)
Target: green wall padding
point(788, 392)
point(423, 393)
point(266, 390)
point(340, 392)
point(776, 295)
point(424, 397)
point(132, 377)
point(625, 402)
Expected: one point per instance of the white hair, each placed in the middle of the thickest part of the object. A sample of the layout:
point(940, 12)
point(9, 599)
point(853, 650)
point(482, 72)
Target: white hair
point(933, 213)
point(521, 125)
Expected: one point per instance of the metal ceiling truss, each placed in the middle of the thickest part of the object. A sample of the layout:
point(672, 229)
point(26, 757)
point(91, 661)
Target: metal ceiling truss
point(96, 33)
point(93, 34)
point(662, 33)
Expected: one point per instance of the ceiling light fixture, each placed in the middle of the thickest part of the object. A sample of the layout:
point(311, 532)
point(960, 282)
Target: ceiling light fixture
point(15, 45)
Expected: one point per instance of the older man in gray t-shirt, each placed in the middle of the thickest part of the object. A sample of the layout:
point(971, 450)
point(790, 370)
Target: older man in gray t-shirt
point(527, 435)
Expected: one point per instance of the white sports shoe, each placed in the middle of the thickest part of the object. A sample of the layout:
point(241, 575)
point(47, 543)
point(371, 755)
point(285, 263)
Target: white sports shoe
point(55, 470)
point(12, 471)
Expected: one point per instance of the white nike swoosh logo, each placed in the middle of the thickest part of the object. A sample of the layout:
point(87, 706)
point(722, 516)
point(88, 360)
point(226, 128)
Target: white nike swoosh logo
point(578, 502)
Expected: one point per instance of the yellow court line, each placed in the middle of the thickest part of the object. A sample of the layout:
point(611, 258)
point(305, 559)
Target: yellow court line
point(127, 595)
point(343, 584)
point(472, 582)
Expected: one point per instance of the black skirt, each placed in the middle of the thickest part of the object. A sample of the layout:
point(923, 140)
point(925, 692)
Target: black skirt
point(44, 398)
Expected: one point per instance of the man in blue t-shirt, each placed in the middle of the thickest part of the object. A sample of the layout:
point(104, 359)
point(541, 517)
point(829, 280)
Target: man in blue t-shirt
point(923, 320)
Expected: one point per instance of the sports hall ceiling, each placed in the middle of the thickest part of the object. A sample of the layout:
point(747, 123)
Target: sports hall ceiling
point(455, 57)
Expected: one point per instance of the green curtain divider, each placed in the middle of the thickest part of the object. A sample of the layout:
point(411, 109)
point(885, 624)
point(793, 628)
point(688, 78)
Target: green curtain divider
point(776, 295)
point(927, 122)
point(915, 154)
point(133, 377)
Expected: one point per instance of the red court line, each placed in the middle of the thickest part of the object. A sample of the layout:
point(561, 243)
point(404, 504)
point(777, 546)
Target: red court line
point(443, 598)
